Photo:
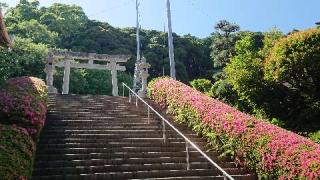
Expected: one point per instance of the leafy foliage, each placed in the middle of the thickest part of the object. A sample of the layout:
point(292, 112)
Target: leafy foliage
point(84, 81)
point(24, 11)
point(295, 61)
point(66, 20)
point(68, 27)
point(294, 64)
point(202, 85)
point(245, 72)
point(35, 31)
point(315, 136)
point(24, 59)
point(16, 153)
point(223, 43)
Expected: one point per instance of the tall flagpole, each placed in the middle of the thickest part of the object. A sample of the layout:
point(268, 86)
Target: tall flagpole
point(164, 42)
point(170, 43)
point(136, 70)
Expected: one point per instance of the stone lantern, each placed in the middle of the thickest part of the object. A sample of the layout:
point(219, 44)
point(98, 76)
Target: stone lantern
point(143, 69)
point(50, 71)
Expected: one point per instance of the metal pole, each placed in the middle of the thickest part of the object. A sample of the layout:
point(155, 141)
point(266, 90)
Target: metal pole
point(187, 156)
point(225, 177)
point(136, 70)
point(129, 96)
point(122, 89)
point(148, 115)
point(170, 43)
point(136, 101)
point(164, 131)
point(164, 42)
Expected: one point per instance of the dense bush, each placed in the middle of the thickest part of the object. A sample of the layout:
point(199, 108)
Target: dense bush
point(271, 151)
point(16, 153)
point(23, 102)
point(203, 85)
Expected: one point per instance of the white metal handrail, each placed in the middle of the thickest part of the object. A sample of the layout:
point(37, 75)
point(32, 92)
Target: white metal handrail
point(187, 140)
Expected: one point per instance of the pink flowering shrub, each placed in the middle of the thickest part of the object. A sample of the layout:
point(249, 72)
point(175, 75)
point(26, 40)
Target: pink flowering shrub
point(273, 152)
point(23, 102)
point(16, 153)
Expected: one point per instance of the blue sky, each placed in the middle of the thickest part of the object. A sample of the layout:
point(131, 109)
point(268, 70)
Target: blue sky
point(197, 17)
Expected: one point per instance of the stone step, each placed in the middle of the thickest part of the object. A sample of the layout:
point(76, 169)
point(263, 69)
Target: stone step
point(106, 120)
point(127, 166)
point(103, 137)
point(124, 140)
point(107, 176)
point(112, 145)
point(112, 135)
point(69, 165)
point(88, 123)
point(117, 127)
point(236, 177)
point(172, 160)
point(109, 150)
point(120, 155)
point(145, 174)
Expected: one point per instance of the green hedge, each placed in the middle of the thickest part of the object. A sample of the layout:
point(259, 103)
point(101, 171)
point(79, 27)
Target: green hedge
point(273, 152)
point(16, 153)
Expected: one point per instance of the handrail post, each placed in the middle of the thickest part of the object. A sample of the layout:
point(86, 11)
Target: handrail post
point(129, 96)
point(122, 90)
point(187, 156)
point(148, 115)
point(136, 101)
point(225, 177)
point(164, 131)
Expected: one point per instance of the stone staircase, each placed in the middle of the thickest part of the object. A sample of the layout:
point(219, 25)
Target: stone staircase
point(104, 137)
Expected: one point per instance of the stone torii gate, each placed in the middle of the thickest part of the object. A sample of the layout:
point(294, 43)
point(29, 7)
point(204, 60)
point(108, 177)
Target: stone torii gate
point(69, 59)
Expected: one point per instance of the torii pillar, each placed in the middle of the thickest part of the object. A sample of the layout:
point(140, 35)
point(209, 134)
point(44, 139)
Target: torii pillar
point(114, 78)
point(66, 77)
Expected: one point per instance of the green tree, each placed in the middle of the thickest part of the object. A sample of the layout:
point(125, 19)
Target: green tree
point(24, 11)
point(223, 42)
point(270, 38)
point(294, 61)
point(245, 71)
point(293, 65)
point(25, 59)
point(67, 20)
point(67, 26)
point(37, 32)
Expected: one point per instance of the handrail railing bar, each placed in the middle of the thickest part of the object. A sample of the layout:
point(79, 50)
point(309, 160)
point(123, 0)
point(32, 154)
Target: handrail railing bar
point(182, 135)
